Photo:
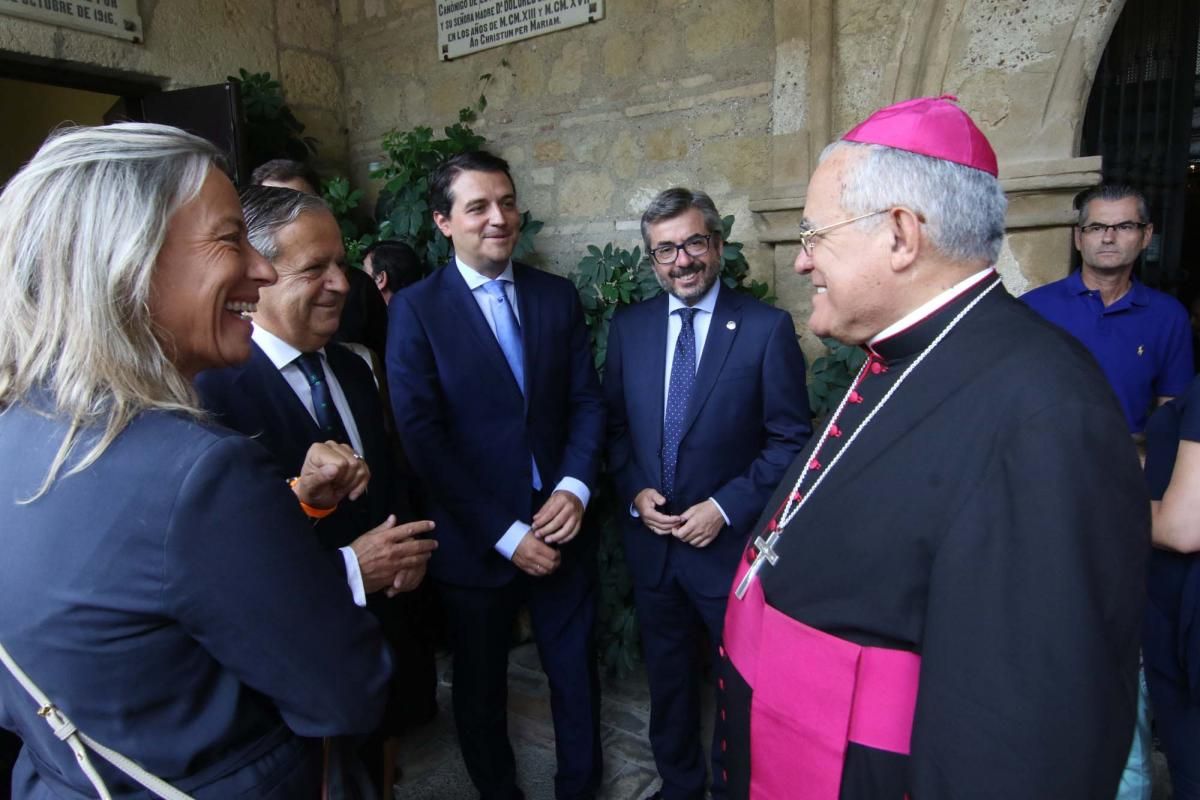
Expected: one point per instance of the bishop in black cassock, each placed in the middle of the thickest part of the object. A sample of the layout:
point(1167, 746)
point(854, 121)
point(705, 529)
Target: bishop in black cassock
point(941, 600)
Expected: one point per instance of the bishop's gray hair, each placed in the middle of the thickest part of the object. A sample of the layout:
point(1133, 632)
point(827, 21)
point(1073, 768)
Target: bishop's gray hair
point(270, 209)
point(81, 226)
point(963, 207)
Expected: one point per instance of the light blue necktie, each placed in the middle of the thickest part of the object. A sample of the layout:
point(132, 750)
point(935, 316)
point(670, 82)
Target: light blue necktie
point(508, 334)
point(679, 395)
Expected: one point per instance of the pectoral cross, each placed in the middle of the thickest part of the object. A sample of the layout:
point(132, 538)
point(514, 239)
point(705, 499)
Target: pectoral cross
point(766, 553)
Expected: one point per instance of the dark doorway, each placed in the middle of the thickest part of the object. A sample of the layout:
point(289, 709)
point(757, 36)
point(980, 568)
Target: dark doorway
point(1142, 118)
point(37, 97)
point(33, 110)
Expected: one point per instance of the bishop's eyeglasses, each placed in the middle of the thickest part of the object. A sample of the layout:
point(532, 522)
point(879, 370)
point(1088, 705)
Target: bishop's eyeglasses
point(809, 236)
point(1128, 226)
point(694, 246)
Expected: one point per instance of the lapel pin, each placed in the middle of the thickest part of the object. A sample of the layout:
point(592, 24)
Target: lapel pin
point(731, 325)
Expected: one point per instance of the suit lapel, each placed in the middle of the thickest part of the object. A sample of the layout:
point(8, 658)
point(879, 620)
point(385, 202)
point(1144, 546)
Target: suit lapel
point(529, 310)
point(722, 330)
point(300, 429)
point(648, 357)
point(365, 409)
point(338, 357)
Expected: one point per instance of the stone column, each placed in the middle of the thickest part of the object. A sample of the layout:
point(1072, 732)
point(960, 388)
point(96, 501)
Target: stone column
point(1023, 71)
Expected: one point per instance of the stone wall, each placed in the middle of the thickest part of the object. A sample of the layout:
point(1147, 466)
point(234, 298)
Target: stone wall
point(190, 43)
point(736, 97)
point(595, 120)
point(1023, 70)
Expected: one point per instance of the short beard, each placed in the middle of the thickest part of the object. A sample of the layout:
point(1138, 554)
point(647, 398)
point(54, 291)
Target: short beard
point(691, 296)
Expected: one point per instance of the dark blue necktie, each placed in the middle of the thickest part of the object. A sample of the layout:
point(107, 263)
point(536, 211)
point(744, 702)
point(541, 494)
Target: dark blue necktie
point(508, 334)
point(326, 412)
point(679, 394)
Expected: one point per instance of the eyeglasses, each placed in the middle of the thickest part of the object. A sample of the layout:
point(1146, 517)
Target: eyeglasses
point(1128, 226)
point(809, 237)
point(695, 247)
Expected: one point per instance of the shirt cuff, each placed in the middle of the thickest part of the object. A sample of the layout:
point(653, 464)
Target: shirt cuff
point(354, 576)
point(724, 516)
point(511, 538)
point(575, 487)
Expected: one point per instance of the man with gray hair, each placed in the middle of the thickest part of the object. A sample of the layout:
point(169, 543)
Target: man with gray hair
point(299, 388)
point(942, 599)
point(706, 409)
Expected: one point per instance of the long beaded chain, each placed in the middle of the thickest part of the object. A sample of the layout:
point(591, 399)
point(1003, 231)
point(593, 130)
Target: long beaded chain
point(795, 500)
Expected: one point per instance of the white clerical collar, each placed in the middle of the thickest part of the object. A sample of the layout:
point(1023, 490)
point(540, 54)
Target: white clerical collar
point(707, 301)
point(927, 309)
point(280, 352)
point(476, 279)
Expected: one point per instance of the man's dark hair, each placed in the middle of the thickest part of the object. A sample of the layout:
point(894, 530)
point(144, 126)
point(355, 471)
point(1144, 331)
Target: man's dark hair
point(397, 260)
point(282, 170)
point(670, 203)
point(1110, 192)
point(440, 199)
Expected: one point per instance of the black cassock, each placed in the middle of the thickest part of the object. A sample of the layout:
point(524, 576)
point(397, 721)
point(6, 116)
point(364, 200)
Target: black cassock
point(986, 536)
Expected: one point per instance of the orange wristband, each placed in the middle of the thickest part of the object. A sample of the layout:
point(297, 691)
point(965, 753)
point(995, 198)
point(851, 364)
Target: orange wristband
point(310, 511)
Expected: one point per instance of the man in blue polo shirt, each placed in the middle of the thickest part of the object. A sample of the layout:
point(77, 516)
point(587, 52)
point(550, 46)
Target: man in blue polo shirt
point(1140, 337)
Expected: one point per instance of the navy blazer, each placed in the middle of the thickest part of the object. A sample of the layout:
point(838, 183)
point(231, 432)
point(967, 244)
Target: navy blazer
point(467, 428)
point(170, 600)
point(255, 399)
point(747, 420)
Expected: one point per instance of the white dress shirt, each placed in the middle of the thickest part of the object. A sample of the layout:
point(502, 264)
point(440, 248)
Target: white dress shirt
point(284, 356)
point(475, 281)
point(700, 324)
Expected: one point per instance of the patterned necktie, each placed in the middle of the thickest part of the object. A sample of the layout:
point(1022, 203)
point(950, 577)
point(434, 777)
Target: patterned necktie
point(326, 412)
point(508, 334)
point(679, 394)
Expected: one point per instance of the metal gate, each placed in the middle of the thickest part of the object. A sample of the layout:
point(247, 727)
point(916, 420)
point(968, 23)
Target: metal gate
point(1140, 118)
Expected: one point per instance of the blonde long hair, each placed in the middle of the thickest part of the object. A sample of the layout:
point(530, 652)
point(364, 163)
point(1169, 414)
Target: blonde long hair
point(81, 226)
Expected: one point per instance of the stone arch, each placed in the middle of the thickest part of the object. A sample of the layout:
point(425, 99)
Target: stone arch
point(1023, 70)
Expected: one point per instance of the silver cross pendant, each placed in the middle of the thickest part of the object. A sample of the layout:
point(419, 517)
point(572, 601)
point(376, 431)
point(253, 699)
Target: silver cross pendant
point(766, 553)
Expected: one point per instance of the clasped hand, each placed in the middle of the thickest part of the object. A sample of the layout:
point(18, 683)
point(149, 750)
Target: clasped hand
point(557, 522)
point(696, 526)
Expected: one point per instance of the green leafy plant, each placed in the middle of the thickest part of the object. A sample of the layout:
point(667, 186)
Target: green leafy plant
point(410, 157)
point(271, 129)
point(830, 375)
point(608, 278)
point(344, 202)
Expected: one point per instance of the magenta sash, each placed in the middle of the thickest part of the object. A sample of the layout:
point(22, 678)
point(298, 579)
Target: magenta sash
point(812, 694)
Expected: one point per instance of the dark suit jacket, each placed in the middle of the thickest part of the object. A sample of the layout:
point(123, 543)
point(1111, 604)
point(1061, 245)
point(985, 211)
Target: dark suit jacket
point(171, 600)
point(365, 314)
point(256, 400)
point(747, 420)
point(464, 423)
